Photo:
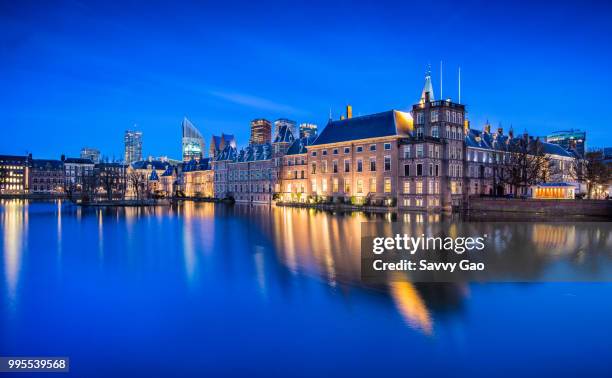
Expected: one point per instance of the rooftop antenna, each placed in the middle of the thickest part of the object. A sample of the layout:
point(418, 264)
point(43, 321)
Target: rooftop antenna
point(441, 96)
point(460, 84)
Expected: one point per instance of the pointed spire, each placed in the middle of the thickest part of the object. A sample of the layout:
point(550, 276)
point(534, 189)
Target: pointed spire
point(427, 94)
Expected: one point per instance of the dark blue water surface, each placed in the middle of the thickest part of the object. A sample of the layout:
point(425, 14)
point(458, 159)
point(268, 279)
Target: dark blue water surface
point(216, 290)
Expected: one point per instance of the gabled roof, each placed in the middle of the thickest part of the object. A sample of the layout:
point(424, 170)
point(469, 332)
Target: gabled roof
point(299, 145)
point(389, 123)
point(228, 153)
point(47, 164)
point(153, 176)
point(256, 152)
point(284, 135)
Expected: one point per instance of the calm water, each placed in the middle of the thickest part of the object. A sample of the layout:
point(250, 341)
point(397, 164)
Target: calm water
point(211, 290)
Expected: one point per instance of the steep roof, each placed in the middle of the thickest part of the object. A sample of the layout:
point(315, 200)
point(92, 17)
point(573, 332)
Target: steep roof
point(256, 152)
point(228, 153)
point(299, 145)
point(153, 176)
point(389, 123)
point(78, 161)
point(155, 164)
point(500, 142)
point(47, 164)
point(193, 165)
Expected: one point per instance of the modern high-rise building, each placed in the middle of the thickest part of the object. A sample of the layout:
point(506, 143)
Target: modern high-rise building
point(279, 123)
point(261, 131)
point(133, 146)
point(193, 142)
point(92, 154)
point(569, 140)
point(307, 130)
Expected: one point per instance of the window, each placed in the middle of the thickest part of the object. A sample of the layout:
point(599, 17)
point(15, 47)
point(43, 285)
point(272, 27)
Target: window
point(431, 150)
point(406, 152)
point(434, 116)
point(437, 170)
point(435, 132)
point(437, 149)
point(372, 147)
point(419, 171)
point(406, 202)
point(437, 187)
point(419, 132)
point(430, 187)
point(335, 166)
point(324, 152)
point(335, 185)
point(324, 185)
point(372, 164)
point(453, 187)
point(420, 118)
point(373, 185)
point(406, 169)
point(347, 150)
point(387, 146)
point(347, 165)
point(419, 150)
point(314, 168)
point(347, 186)
point(430, 169)
point(314, 153)
point(324, 167)
point(387, 163)
point(406, 187)
point(387, 184)
point(359, 165)
point(359, 186)
point(313, 185)
point(418, 202)
point(419, 187)
point(359, 148)
point(335, 151)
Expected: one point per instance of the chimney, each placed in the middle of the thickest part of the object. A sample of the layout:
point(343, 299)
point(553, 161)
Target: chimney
point(487, 129)
point(349, 111)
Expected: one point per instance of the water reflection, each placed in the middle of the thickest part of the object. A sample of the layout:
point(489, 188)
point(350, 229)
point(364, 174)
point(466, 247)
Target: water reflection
point(283, 242)
point(14, 233)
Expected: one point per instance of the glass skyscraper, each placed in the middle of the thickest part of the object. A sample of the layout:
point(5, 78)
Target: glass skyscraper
point(193, 142)
point(133, 146)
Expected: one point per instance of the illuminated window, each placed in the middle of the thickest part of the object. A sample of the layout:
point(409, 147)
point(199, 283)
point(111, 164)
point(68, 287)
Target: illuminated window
point(373, 185)
point(347, 186)
point(324, 167)
point(313, 186)
point(324, 185)
point(359, 186)
point(419, 187)
point(387, 184)
point(335, 185)
point(406, 187)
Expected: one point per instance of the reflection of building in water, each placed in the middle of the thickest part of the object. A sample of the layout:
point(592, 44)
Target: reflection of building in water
point(554, 239)
point(411, 306)
point(14, 223)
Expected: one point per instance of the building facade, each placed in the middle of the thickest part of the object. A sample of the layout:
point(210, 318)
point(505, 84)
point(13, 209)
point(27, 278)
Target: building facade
point(111, 179)
point(14, 174)
point(47, 176)
point(78, 175)
point(261, 131)
point(133, 146)
point(218, 144)
point(198, 178)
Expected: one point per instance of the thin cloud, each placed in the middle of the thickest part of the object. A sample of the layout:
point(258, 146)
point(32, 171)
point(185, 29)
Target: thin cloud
point(255, 102)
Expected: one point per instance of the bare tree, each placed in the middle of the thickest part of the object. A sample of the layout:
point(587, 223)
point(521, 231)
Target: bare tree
point(137, 181)
point(591, 170)
point(523, 164)
point(111, 179)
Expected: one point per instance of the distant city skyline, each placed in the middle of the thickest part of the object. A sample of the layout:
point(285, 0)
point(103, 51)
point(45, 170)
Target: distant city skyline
point(80, 74)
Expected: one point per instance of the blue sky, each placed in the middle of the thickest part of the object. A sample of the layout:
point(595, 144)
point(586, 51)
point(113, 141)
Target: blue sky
point(78, 73)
